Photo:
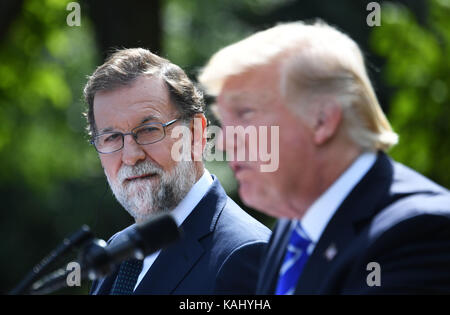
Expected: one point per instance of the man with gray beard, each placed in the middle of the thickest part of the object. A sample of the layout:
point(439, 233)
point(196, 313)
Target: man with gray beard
point(136, 100)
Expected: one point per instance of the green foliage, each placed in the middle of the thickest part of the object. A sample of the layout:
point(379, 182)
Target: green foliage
point(418, 67)
point(42, 65)
point(194, 30)
point(50, 180)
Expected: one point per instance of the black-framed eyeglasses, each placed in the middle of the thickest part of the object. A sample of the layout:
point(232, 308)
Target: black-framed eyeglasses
point(110, 142)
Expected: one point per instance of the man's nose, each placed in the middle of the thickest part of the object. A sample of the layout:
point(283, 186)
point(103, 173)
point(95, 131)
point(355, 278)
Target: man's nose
point(132, 152)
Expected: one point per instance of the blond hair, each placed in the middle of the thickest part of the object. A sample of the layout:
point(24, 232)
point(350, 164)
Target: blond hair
point(313, 60)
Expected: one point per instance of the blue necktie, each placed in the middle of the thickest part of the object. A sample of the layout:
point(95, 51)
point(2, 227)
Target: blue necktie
point(297, 253)
point(127, 276)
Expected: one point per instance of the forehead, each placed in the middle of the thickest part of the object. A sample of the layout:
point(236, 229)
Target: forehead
point(259, 84)
point(125, 107)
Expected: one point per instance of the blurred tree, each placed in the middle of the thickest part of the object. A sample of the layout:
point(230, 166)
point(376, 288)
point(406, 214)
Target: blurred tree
point(194, 30)
point(50, 180)
point(418, 67)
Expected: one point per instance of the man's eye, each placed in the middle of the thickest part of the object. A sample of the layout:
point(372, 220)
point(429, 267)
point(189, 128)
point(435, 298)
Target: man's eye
point(245, 112)
point(147, 130)
point(113, 137)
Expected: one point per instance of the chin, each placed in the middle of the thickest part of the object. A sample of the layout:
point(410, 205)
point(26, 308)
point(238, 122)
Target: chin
point(142, 216)
point(261, 206)
point(251, 197)
point(260, 200)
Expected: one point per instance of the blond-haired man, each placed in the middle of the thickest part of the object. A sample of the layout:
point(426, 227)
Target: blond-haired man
point(351, 220)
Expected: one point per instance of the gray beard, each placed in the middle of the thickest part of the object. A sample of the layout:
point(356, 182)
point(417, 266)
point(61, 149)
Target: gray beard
point(143, 198)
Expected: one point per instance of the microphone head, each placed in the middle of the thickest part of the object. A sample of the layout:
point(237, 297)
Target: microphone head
point(80, 237)
point(157, 232)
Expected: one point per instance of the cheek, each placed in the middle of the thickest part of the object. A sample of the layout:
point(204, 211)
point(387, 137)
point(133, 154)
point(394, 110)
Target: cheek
point(111, 164)
point(294, 142)
point(294, 163)
point(161, 154)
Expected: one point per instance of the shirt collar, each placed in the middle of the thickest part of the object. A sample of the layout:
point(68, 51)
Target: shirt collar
point(322, 210)
point(193, 197)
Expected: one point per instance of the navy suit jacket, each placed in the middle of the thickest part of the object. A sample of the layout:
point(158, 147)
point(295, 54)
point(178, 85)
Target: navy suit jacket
point(219, 252)
point(394, 217)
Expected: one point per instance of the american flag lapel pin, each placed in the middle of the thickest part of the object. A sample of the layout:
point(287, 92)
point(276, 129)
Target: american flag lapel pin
point(331, 252)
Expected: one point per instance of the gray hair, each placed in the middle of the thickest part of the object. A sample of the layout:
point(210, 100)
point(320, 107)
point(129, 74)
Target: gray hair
point(124, 66)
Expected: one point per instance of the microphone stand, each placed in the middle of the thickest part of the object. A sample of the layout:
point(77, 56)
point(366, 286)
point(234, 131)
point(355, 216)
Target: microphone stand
point(96, 259)
point(91, 255)
point(95, 262)
point(80, 237)
point(53, 282)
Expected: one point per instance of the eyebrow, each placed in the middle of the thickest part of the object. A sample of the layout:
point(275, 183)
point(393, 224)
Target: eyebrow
point(108, 129)
point(143, 121)
point(148, 118)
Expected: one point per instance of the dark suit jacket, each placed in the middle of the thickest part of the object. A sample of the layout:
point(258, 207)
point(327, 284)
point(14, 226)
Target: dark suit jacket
point(219, 252)
point(394, 217)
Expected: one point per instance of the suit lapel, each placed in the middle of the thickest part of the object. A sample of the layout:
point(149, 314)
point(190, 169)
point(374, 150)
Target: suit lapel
point(356, 211)
point(175, 262)
point(170, 267)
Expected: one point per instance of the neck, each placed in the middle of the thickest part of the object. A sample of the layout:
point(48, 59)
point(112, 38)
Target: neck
point(327, 168)
point(199, 170)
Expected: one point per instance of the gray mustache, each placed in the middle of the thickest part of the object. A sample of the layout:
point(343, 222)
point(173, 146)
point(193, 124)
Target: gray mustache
point(140, 169)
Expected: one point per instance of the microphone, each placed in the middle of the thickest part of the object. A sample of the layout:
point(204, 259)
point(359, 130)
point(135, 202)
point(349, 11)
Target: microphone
point(77, 239)
point(98, 260)
point(139, 241)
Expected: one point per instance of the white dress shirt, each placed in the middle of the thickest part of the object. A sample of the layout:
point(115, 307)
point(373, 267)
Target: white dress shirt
point(322, 210)
point(180, 213)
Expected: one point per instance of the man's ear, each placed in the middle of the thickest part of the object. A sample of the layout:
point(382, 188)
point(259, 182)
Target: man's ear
point(327, 120)
point(199, 137)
